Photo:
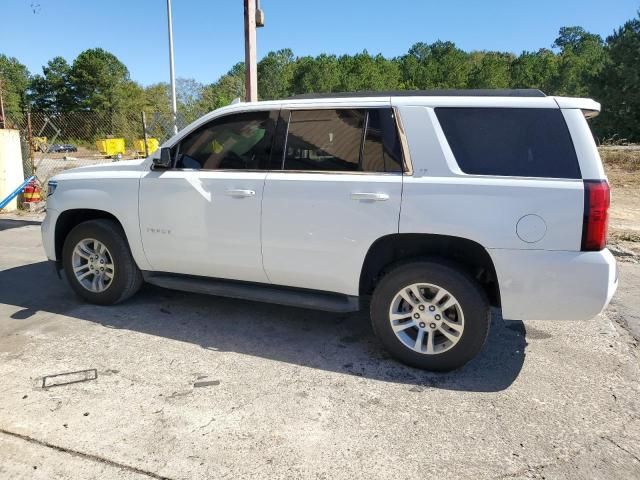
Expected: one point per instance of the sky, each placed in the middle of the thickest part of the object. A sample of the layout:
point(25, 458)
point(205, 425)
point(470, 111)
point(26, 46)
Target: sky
point(209, 34)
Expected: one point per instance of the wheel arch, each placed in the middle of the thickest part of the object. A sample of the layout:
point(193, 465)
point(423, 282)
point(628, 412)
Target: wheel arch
point(467, 254)
point(69, 219)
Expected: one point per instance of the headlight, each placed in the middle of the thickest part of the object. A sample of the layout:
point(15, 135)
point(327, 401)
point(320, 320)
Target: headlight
point(51, 187)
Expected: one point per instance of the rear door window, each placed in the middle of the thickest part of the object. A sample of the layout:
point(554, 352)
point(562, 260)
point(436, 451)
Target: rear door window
point(382, 151)
point(324, 140)
point(522, 142)
point(343, 140)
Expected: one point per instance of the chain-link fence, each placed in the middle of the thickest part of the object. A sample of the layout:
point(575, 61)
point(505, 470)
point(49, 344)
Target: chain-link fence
point(52, 143)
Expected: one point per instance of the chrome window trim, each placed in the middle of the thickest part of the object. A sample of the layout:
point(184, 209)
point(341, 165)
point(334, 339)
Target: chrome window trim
point(337, 172)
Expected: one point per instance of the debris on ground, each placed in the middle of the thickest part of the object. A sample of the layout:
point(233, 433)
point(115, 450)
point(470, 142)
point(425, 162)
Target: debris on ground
point(68, 378)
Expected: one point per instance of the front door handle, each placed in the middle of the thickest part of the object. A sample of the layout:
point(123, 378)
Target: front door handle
point(375, 197)
point(237, 192)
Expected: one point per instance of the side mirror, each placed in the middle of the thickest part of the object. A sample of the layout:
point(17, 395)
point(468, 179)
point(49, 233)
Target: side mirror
point(165, 159)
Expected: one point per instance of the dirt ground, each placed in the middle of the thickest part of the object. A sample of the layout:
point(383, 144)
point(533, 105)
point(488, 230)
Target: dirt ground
point(623, 171)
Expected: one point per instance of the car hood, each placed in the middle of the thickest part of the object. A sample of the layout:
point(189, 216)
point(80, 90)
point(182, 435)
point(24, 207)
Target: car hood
point(122, 166)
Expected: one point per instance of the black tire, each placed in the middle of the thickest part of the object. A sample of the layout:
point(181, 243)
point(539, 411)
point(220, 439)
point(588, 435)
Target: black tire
point(127, 278)
point(471, 299)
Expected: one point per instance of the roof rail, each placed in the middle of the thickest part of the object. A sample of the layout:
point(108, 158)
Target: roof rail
point(498, 92)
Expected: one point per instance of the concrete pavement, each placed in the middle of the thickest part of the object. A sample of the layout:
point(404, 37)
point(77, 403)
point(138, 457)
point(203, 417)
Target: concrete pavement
point(191, 386)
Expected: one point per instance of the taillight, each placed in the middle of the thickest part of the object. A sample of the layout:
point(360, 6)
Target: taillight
point(597, 198)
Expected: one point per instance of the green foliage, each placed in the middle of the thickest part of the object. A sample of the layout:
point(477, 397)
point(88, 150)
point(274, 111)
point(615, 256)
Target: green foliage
point(51, 92)
point(535, 70)
point(582, 56)
point(490, 70)
point(439, 65)
point(320, 74)
point(618, 86)
point(99, 81)
point(362, 72)
point(15, 81)
point(229, 87)
point(275, 72)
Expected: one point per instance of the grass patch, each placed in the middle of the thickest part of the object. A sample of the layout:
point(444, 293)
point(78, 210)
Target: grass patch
point(628, 160)
point(625, 236)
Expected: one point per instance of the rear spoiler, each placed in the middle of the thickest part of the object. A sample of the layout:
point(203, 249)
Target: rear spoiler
point(590, 108)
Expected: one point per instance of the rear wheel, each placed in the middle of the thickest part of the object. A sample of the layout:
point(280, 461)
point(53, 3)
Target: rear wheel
point(98, 263)
point(430, 315)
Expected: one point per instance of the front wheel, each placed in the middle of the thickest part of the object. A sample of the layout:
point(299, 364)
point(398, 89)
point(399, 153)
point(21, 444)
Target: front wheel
point(98, 263)
point(430, 315)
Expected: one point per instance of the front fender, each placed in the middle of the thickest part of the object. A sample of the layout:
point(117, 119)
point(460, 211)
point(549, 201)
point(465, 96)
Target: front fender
point(117, 196)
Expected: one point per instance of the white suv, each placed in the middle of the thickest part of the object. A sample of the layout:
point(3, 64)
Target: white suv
point(427, 207)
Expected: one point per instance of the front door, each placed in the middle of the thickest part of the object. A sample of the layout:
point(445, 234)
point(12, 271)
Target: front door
point(202, 217)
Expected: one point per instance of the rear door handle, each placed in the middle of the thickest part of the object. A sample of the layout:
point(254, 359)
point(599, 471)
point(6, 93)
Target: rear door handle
point(376, 197)
point(237, 192)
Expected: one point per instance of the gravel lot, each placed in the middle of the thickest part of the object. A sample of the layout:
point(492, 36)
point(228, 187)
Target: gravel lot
point(192, 386)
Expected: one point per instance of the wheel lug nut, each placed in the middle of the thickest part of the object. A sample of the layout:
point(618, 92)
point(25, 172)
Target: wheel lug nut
point(432, 308)
point(433, 325)
point(437, 317)
point(417, 315)
point(422, 324)
point(421, 308)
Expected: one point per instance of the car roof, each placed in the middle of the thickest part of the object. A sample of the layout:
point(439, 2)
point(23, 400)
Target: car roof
point(493, 92)
point(508, 98)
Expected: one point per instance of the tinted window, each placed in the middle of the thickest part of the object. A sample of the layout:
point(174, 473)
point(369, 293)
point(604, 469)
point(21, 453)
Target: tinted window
point(240, 141)
point(332, 140)
point(382, 151)
point(324, 140)
point(526, 142)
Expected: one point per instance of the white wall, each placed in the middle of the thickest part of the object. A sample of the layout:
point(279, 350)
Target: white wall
point(11, 173)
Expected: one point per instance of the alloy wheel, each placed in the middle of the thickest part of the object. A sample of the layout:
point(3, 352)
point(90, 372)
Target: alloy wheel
point(426, 318)
point(93, 265)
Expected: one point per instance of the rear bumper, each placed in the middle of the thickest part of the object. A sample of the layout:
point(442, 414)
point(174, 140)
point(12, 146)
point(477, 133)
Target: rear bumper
point(550, 285)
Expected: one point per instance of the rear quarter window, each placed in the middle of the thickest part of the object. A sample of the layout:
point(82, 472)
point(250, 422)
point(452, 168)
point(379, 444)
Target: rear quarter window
point(519, 142)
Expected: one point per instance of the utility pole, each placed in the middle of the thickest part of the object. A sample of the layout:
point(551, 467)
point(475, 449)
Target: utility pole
point(253, 17)
point(172, 74)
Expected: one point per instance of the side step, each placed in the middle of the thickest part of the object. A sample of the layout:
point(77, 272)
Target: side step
point(259, 292)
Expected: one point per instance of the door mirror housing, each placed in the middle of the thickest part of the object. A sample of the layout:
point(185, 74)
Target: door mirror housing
point(165, 158)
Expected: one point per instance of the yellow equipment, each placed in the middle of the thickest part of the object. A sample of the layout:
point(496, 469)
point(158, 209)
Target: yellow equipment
point(39, 144)
point(152, 145)
point(111, 146)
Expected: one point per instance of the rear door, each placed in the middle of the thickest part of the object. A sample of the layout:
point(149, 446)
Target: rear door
point(339, 189)
point(202, 217)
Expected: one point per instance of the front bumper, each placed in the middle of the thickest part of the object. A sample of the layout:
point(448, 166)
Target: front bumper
point(554, 285)
point(47, 229)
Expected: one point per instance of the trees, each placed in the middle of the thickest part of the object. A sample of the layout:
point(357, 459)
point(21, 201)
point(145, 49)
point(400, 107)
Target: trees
point(15, 81)
point(362, 72)
point(320, 74)
point(490, 70)
point(439, 65)
point(618, 85)
point(224, 91)
point(535, 70)
point(581, 58)
point(98, 81)
point(51, 92)
point(275, 75)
